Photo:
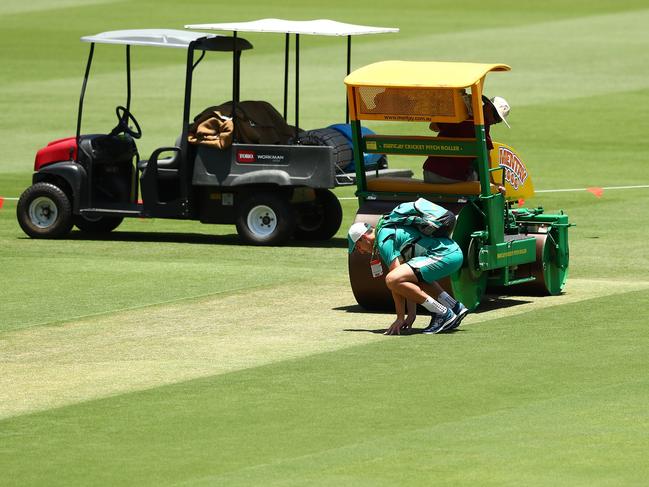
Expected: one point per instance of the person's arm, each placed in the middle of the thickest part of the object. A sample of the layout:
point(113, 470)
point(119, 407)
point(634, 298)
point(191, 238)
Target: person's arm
point(399, 306)
point(412, 315)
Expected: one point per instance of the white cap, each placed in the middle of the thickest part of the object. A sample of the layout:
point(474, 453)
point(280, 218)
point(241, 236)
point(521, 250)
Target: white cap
point(502, 107)
point(356, 231)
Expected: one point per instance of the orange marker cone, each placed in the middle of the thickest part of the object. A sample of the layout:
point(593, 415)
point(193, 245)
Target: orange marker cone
point(2, 202)
point(598, 192)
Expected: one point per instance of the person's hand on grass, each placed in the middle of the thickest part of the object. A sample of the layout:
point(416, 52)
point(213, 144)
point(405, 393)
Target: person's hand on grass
point(395, 327)
point(407, 324)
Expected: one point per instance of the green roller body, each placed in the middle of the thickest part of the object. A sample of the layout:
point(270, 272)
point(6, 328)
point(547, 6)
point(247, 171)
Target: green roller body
point(552, 251)
point(469, 284)
point(548, 272)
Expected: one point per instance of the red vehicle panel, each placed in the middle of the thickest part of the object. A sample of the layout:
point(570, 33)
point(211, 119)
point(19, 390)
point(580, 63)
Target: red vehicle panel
point(56, 151)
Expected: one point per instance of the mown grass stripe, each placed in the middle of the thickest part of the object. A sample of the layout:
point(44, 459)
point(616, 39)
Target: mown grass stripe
point(115, 353)
point(127, 309)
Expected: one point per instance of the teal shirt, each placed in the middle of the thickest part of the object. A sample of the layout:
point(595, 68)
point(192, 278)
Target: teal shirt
point(394, 242)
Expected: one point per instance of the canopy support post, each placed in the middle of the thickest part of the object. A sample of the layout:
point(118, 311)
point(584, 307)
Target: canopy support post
point(349, 68)
point(83, 94)
point(235, 85)
point(297, 85)
point(128, 78)
point(286, 58)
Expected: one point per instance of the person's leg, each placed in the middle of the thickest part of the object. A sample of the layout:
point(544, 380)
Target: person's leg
point(404, 282)
point(456, 306)
point(455, 262)
point(432, 268)
point(434, 289)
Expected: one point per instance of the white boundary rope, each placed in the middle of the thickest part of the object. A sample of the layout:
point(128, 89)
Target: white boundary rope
point(591, 187)
point(565, 190)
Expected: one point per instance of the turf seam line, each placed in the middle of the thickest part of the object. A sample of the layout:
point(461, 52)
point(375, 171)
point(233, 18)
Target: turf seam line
point(141, 306)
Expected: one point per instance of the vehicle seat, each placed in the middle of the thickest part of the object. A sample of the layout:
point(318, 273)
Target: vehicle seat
point(104, 149)
point(167, 166)
point(412, 185)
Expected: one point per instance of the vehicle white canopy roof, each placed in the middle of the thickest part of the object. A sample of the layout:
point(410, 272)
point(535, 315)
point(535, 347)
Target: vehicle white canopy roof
point(148, 37)
point(323, 27)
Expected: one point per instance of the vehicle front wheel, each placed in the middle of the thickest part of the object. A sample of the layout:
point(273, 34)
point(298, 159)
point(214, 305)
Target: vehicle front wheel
point(44, 211)
point(98, 225)
point(265, 219)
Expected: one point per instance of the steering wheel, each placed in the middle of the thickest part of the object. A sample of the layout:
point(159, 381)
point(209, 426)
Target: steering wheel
point(123, 119)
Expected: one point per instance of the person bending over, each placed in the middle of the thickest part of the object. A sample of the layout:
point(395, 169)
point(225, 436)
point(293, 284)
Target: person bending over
point(415, 262)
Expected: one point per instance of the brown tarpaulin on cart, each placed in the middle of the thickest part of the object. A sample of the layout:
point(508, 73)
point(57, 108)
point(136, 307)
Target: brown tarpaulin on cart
point(257, 123)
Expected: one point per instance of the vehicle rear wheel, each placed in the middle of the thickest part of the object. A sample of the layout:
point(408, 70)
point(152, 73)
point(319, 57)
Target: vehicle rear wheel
point(98, 225)
point(44, 211)
point(265, 219)
point(319, 219)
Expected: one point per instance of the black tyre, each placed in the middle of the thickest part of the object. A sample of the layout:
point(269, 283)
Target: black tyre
point(265, 219)
point(44, 211)
point(98, 225)
point(320, 219)
point(342, 148)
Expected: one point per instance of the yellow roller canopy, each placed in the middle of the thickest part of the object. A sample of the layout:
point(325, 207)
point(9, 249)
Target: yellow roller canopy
point(406, 74)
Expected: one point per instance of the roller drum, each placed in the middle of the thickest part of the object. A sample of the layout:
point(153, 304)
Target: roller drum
point(550, 278)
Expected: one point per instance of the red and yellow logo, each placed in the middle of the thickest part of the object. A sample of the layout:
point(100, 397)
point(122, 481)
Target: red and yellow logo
point(518, 182)
point(515, 170)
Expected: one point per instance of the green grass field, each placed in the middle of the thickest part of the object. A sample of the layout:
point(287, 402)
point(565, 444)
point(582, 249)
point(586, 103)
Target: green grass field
point(170, 354)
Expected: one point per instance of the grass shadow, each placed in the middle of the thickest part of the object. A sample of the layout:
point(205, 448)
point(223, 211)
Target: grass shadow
point(357, 308)
point(380, 331)
point(491, 302)
point(159, 237)
point(412, 331)
point(193, 238)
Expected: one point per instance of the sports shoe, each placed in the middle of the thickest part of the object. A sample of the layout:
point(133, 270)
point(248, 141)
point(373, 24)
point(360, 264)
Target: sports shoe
point(461, 311)
point(440, 322)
